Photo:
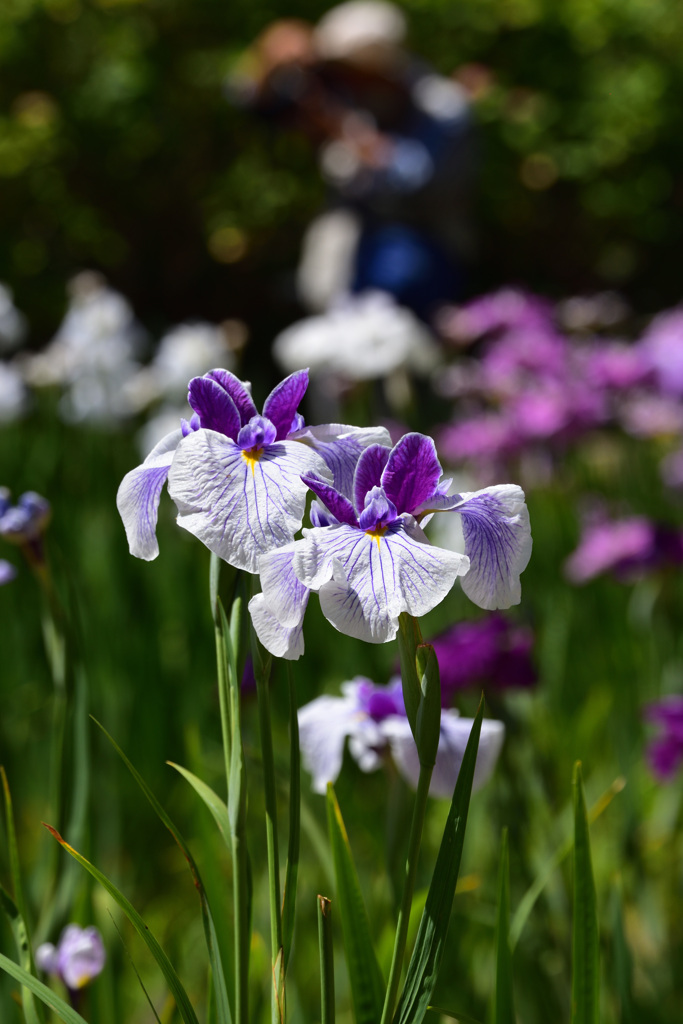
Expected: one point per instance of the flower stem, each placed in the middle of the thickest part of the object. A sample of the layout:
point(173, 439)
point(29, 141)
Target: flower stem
point(417, 823)
point(262, 673)
point(326, 960)
point(229, 696)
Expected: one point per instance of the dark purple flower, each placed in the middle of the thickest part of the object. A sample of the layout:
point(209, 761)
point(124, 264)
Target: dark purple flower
point(665, 752)
point(490, 652)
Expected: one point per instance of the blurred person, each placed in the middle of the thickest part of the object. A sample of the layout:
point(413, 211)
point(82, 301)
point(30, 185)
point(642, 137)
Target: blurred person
point(395, 147)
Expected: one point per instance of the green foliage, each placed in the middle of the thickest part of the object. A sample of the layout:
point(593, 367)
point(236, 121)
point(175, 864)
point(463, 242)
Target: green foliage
point(585, 944)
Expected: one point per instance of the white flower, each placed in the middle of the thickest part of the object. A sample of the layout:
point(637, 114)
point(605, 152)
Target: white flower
point(365, 337)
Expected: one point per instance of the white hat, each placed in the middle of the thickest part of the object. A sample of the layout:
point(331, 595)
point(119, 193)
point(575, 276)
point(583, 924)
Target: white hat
point(351, 28)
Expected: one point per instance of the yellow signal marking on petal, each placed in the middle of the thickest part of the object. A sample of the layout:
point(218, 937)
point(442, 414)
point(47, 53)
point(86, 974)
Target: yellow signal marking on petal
point(376, 534)
point(251, 457)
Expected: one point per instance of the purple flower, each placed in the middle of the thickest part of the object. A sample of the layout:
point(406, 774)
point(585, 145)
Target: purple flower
point(26, 521)
point(7, 572)
point(662, 347)
point(505, 309)
point(665, 752)
point(235, 475)
point(373, 718)
point(369, 559)
point(627, 547)
point(490, 652)
point(78, 957)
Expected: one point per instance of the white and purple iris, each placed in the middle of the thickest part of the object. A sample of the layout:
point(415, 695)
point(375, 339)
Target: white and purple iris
point(236, 475)
point(369, 560)
point(373, 718)
point(78, 957)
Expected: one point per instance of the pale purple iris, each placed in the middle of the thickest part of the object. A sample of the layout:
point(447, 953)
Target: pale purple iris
point(626, 547)
point(24, 522)
point(7, 572)
point(665, 752)
point(235, 474)
point(369, 560)
point(491, 652)
point(78, 957)
point(373, 718)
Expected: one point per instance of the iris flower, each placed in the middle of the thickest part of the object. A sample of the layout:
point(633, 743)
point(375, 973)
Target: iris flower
point(234, 474)
point(369, 559)
point(78, 957)
point(373, 718)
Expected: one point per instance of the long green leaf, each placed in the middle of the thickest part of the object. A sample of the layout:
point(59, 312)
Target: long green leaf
point(222, 1002)
point(365, 977)
point(214, 803)
point(16, 909)
point(32, 1010)
point(585, 970)
point(431, 937)
point(45, 994)
point(526, 904)
point(167, 969)
point(504, 1007)
point(294, 838)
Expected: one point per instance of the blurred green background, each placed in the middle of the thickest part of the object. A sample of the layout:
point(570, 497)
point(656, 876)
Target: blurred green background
point(119, 152)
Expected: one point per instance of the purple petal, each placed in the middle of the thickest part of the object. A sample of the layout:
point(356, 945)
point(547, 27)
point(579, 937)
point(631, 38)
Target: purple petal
point(81, 956)
point(495, 524)
point(412, 472)
point(214, 406)
point(321, 516)
point(341, 446)
point(47, 958)
point(7, 572)
point(237, 391)
point(340, 507)
point(283, 401)
point(369, 472)
point(259, 431)
point(138, 497)
point(240, 507)
point(379, 512)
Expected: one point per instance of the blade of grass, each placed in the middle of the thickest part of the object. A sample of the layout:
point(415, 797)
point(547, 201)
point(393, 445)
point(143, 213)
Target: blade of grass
point(294, 839)
point(585, 966)
point(65, 1012)
point(365, 977)
point(175, 985)
point(222, 1001)
point(16, 909)
point(326, 960)
point(216, 806)
point(504, 1007)
point(429, 944)
point(32, 1010)
point(527, 902)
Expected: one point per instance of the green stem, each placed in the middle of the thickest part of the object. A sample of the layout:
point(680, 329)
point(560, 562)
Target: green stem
point(233, 755)
point(326, 960)
point(263, 696)
point(417, 823)
point(294, 841)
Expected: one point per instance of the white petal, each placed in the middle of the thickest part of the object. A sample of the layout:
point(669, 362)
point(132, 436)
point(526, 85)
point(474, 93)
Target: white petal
point(241, 510)
point(324, 725)
point(138, 497)
point(497, 536)
point(455, 732)
point(283, 592)
point(365, 582)
point(282, 641)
